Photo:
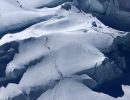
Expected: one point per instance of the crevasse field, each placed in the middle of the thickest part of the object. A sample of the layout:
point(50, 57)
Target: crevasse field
point(64, 50)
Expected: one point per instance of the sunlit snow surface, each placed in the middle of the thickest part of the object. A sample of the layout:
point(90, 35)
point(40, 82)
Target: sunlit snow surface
point(48, 52)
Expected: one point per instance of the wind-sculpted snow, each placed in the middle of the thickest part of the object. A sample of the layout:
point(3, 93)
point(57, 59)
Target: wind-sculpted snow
point(21, 18)
point(70, 89)
point(60, 52)
point(37, 3)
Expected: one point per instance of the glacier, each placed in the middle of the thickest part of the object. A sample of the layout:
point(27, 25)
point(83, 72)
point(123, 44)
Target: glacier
point(64, 50)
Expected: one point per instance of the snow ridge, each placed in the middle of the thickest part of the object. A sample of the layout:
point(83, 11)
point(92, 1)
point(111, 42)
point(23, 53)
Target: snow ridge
point(58, 50)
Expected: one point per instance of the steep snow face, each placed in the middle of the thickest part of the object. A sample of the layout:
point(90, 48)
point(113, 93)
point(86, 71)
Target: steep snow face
point(124, 5)
point(119, 3)
point(62, 54)
point(91, 5)
point(110, 12)
point(27, 18)
point(69, 89)
point(13, 91)
point(116, 10)
point(27, 56)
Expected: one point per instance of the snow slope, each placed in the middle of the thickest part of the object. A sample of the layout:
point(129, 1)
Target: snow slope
point(37, 3)
point(61, 54)
point(69, 89)
point(21, 17)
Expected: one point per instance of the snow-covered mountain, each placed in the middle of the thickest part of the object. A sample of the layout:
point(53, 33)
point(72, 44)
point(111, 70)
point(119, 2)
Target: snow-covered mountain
point(60, 50)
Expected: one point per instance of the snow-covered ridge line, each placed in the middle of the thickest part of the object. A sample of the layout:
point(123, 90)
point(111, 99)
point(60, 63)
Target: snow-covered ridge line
point(23, 19)
point(66, 54)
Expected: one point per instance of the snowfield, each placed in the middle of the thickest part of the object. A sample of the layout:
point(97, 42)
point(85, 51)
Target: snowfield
point(58, 50)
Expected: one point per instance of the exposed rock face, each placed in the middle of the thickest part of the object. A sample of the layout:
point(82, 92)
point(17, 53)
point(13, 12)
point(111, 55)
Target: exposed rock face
point(110, 12)
point(90, 6)
point(124, 5)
